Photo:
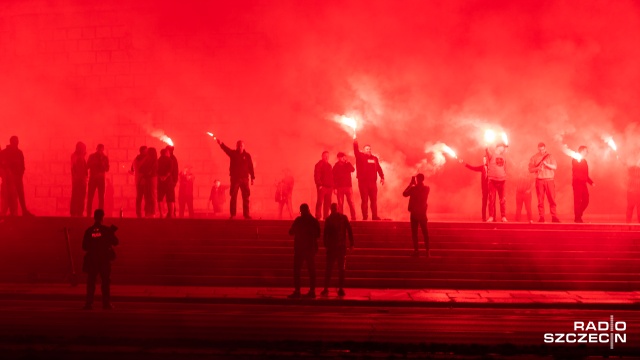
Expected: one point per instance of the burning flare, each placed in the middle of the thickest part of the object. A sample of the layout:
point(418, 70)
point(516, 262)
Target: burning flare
point(348, 122)
point(449, 151)
point(489, 136)
point(211, 134)
point(160, 135)
point(609, 141)
point(505, 139)
point(571, 153)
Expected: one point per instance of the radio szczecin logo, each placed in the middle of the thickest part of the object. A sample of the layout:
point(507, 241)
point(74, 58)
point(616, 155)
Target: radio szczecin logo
point(592, 332)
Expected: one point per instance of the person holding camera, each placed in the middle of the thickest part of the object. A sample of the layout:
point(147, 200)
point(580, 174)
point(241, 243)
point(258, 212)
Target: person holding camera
point(418, 193)
point(98, 242)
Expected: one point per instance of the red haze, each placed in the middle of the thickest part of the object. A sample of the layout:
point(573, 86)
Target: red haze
point(276, 73)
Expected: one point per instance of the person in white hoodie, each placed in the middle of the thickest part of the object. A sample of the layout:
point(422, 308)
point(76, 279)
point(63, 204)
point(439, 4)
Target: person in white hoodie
point(497, 176)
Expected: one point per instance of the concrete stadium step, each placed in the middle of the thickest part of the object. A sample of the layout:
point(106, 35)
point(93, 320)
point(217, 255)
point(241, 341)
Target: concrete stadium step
point(259, 253)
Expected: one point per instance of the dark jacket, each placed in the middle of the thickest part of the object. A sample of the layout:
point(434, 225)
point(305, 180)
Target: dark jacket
point(174, 169)
point(98, 242)
point(482, 169)
point(79, 169)
point(580, 171)
point(323, 175)
point(241, 165)
point(164, 169)
point(98, 165)
point(13, 160)
point(368, 166)
point(218, 195)
point(418, 196)
point(305, 231)
point(149, 168)
point(336, 229)
point(342, 174)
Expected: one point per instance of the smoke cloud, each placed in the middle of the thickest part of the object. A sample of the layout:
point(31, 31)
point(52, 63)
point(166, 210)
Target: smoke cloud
point(276, 74)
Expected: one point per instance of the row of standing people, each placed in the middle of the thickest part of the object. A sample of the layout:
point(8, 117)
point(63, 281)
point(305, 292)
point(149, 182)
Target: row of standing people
point(12, 170)
point(155, 179)
point(541, 177)
point(337, 179)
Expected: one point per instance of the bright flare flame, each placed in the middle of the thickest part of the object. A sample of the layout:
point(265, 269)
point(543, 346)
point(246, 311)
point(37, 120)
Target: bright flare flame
point(167, 140)
point(211, 134)
point(611, 143)
point(449, 151)
point(505, 140)
point(347, 121)
point(489, 136)
point(572, 153)
point(160, 135)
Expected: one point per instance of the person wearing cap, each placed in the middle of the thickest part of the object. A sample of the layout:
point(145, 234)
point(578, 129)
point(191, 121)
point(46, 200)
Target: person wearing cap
point(98, 243)
point(497, 176)
point(342, 171)
point(305, 231)
point(544, 165)
point(368, 168)
point(323, 177)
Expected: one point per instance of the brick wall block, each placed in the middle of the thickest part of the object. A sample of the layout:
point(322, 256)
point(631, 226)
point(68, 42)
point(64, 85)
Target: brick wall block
point(42, 191)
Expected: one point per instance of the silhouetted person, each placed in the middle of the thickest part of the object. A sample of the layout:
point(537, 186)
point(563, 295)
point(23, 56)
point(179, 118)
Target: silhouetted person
point(342, 183)
point(336, 230)
point(240, 170)
point(149, 173)
point(174, 175)
point(497, 175)
point(525, 183)
point(79, 175)
point(13, 159)
point(633, 193)
point(368, 169)
point(165, 183)
point(544, 165)
point(98, 242)
point(580, 175)
point(284, 194)
point(185, 197)
point(418, 194)
point(139, 178)
point(218, 194)
point(306, 231)
point(8, 199)
point(98, 164)
point(323, 178)
point(484, 183)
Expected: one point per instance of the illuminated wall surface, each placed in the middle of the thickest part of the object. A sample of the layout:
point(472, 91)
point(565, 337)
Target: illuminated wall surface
point(276, 73)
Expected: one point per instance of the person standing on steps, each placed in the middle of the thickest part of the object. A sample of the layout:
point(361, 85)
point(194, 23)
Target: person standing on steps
point(336, 231)
point(306, 231)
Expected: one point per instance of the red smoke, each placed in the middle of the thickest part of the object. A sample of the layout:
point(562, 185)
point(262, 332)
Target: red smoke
point(275, 74)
